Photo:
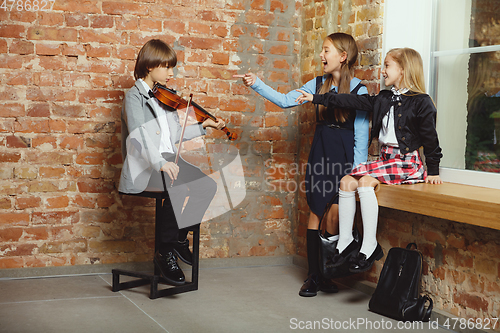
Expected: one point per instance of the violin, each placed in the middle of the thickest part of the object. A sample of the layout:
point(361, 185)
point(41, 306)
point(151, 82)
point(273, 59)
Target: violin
point(170, 98)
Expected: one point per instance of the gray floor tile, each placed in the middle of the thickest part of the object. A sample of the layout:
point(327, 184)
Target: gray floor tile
point(237, 299)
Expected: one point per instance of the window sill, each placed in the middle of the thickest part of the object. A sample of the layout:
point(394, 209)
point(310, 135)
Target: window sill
point(456, 202)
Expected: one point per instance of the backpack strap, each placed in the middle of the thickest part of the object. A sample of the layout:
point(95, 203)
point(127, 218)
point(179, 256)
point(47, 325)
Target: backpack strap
point(319, 83)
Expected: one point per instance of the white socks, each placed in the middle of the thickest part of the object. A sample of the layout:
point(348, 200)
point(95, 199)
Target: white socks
point(347, 210)
point(369, 213)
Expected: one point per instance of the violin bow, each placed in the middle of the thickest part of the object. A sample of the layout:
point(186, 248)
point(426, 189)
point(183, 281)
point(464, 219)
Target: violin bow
point(182, 134)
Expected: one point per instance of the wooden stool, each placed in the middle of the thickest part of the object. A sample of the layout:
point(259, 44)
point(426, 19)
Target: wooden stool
point(155, 278)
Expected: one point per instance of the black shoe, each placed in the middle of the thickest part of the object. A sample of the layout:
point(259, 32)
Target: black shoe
point(339, 258)
point(361, 264)
point(181, 249)
point(170, 271)
point(327, 286)
point(310, 286)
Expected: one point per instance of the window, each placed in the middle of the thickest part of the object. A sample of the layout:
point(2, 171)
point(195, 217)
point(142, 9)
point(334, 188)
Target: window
point(459, 41)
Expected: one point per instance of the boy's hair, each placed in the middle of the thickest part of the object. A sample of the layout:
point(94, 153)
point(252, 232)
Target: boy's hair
point(343, 43)
point(411, 63)
point(153, 54)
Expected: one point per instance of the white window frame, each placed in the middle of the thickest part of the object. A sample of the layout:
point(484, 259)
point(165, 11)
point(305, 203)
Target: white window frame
point(410, 23)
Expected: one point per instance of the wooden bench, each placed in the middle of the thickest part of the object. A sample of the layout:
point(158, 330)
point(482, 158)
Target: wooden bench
point(456, 202)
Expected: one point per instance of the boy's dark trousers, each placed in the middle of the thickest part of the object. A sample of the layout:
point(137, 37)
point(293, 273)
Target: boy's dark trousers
point(191, 182)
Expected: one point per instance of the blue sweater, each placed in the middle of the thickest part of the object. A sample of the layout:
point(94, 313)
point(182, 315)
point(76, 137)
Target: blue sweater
point(361, 121)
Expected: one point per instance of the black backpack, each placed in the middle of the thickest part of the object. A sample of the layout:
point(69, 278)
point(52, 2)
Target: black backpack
point(397, 294)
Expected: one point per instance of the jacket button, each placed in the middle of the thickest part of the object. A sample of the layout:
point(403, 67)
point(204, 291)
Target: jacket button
point(399, 127)
point(399, 115)
point(158, 132)
point(399, 104)
point(407, 148)
point(403, 138)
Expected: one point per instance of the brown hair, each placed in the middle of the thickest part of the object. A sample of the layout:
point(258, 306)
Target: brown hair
point(413, 70)
point(343, 43)
point(153, 54)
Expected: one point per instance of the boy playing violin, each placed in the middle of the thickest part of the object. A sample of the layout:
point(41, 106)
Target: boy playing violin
point(150, 131)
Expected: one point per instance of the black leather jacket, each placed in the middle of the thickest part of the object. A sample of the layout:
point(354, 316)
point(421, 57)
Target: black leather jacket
point(414, 119)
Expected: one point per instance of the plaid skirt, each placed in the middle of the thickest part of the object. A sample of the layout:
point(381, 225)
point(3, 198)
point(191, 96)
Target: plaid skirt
point(393, 167)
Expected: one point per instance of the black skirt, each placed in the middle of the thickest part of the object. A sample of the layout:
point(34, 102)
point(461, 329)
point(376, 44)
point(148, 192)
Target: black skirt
point(331, 158)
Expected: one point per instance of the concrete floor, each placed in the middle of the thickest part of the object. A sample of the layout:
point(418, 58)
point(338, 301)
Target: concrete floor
point(235, 299)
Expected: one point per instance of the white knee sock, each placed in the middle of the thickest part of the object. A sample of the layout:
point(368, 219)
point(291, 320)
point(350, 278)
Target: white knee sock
point(369, 214)
point(347, 210)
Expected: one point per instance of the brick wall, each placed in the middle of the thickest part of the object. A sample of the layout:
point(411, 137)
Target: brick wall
point(64, 73)
point(461, 268)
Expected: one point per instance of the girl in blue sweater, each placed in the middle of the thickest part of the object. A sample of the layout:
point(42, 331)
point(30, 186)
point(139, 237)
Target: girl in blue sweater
point(340, 142)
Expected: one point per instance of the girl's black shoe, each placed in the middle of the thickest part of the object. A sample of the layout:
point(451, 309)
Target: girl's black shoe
point(310, 286)
point(361, 264)
point(339, 258)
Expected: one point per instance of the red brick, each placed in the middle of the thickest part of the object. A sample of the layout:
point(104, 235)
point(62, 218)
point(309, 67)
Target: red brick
point(129, 23)
point(51, 172)
point(200, 43)
point(101, 96)
point(50, 19)
point(71, 142)
point(220, 58)
point(32, 126)
point(278, 120)
point(6, 157)
point(54, 218)
point(27, 202)
point(45, 141)
point(113, 66)
point(36, 233)
point(43, 33)
point(126, 52)
point(219, 30)
point(11, 31)
point(57, 202)
point(73, 50)
point(101, 21)
point(10, 234)
point(12, 110)
point(77, 20)
point(474, 302)
point(94, 36)
point(47, 79)
point(22, 47)
point(11, 262)
point(174, 26)
point(236, 104)
point(278, 5)
point(121, 8)
point(14, 141)
point(90, 158)
point(268, 134)
point(95, 186)
point(78, 6)
point(14, 219)
point(100, 51)
point(49, 158)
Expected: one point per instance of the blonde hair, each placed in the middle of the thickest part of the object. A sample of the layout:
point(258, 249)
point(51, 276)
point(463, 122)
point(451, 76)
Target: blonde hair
point(343, 43)
point(411, 63)
point(153, 54)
